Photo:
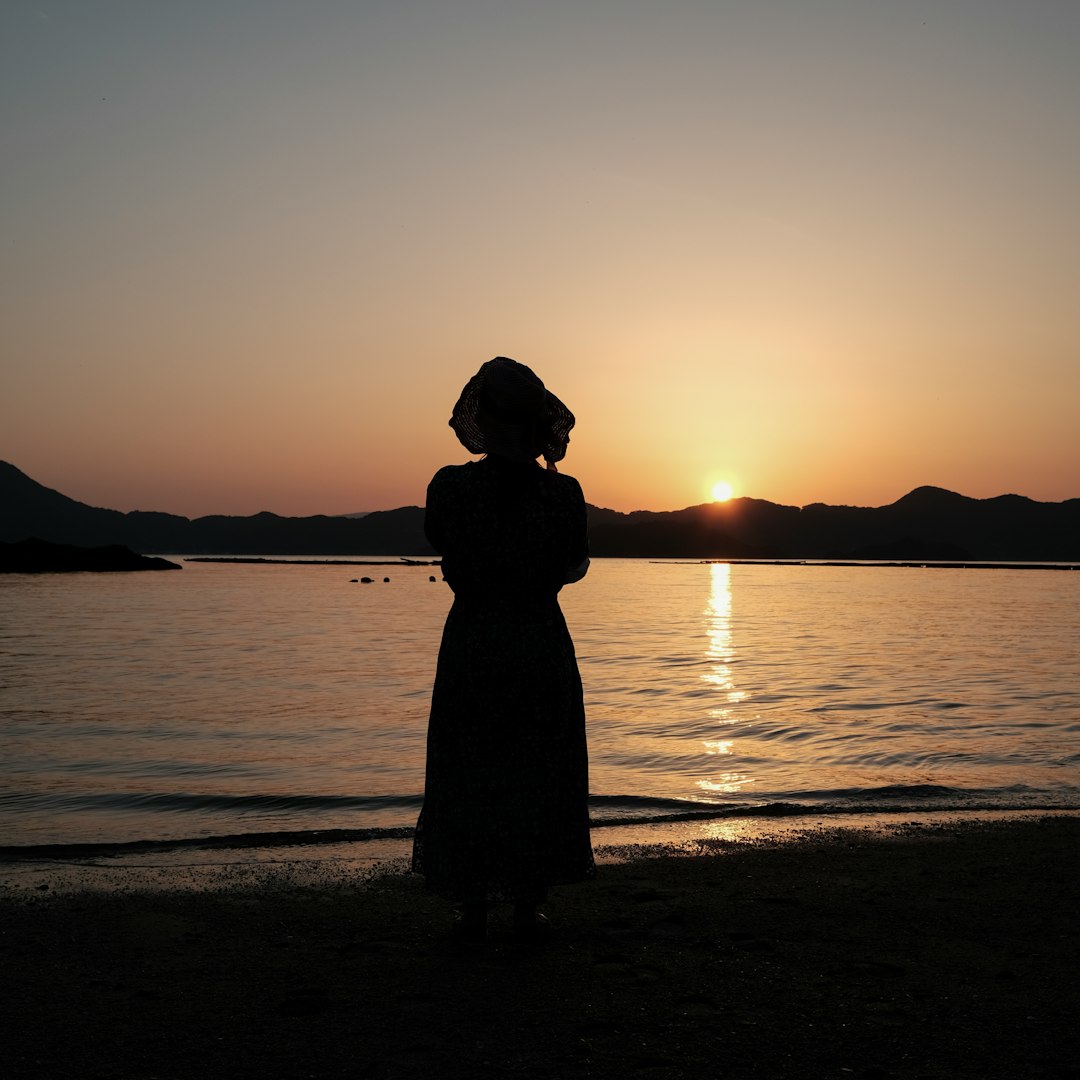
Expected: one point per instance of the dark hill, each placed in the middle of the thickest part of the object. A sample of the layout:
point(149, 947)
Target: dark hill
point(29, 509)
point(926, 524)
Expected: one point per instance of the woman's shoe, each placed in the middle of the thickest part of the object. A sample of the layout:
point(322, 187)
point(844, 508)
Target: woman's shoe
point(470, 924)
point(532, 927)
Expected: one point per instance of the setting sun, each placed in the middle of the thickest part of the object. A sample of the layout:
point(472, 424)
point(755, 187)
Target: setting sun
point(722, 491)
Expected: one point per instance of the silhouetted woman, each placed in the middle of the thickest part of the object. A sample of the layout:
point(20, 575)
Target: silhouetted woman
point(505, 810)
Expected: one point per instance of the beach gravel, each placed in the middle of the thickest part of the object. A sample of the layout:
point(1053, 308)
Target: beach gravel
point(929, 953)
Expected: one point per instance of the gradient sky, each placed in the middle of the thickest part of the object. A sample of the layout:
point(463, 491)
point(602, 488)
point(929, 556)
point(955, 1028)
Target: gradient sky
point(827, 250)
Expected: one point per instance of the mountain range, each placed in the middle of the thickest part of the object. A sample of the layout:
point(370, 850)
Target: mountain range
point(928, 523)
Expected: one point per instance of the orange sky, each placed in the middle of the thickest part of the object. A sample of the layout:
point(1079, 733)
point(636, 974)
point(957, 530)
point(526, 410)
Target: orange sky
point(824, 250)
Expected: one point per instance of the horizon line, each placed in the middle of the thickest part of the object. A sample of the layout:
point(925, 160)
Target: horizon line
point(358, 514)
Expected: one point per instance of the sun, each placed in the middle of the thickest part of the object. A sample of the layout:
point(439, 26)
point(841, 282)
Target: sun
point(722, 491)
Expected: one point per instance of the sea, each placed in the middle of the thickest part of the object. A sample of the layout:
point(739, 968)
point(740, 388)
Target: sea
point(288, 702)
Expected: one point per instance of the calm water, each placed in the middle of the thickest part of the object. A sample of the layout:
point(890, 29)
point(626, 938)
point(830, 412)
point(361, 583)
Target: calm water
point(240, 699)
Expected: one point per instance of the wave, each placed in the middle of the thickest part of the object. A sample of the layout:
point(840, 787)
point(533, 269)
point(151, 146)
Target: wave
point(185, 802)
point(889, 799)
point(606, 811)
point(303, 837)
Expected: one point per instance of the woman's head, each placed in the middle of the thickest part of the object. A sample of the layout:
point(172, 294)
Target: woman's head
point(505, 410)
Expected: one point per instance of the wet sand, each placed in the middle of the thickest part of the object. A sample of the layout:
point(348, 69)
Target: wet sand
point(927, 951)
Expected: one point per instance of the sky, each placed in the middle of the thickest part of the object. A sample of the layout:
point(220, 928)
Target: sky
point(822, 250)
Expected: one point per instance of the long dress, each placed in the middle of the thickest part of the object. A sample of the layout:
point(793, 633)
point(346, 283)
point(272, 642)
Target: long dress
point(505, 809)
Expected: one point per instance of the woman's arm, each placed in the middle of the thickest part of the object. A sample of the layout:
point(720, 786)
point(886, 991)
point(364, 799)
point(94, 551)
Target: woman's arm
point(433, 520)
point(579, 544)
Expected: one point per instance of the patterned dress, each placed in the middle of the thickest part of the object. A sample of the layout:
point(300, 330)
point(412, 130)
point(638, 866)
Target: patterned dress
point(506, 794)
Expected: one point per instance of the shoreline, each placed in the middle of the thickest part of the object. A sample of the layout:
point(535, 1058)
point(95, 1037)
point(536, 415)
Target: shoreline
point(403, 561)
point(300, 560)
point(216, 862)
point(922, 952)
point(906, 564)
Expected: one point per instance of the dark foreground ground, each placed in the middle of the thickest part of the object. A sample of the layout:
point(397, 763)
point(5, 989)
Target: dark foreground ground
point(941, 952)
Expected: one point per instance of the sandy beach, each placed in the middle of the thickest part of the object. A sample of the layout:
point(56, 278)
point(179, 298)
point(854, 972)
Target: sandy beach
point(927, 951)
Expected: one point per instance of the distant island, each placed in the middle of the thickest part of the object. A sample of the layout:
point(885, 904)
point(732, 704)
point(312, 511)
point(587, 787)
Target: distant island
point(927, 524)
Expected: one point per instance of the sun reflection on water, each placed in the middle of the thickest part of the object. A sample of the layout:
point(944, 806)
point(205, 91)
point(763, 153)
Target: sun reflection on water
point(721, 675)
point(719, 746)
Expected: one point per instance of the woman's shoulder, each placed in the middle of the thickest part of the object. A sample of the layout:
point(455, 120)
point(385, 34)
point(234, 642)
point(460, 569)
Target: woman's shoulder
point(566, 485)
point(446, 485)
point(457, 476)
point(565, 479)
point(452, 474)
